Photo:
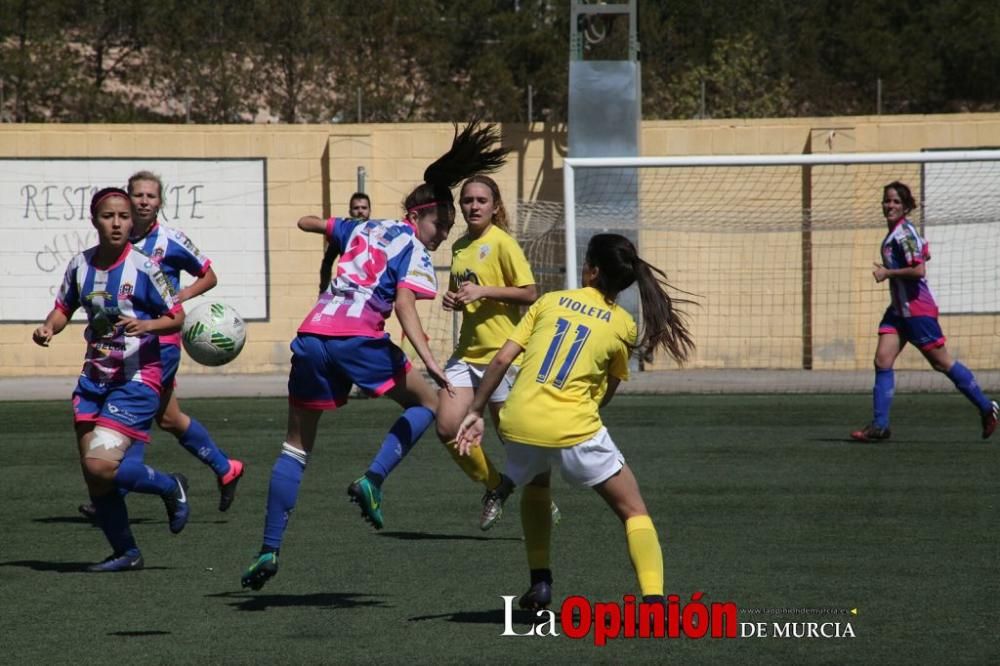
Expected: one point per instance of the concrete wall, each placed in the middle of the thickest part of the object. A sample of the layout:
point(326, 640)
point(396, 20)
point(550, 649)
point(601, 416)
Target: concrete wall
point(313, 169)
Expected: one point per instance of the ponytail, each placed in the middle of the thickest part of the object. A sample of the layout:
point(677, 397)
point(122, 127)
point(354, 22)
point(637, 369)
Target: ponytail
point(470, 153)
point(663, 325)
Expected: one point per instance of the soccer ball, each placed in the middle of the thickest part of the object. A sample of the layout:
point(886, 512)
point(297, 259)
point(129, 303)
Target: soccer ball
point(214, 334)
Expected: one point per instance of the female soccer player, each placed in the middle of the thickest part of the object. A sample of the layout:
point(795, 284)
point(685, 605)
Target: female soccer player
point(173, 252)
point(490, 280)
point(342, 341)
point(129, 305)
point(576, 346)
point(912, 316)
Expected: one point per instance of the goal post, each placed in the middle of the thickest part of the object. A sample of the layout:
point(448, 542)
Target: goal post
point(779, 248)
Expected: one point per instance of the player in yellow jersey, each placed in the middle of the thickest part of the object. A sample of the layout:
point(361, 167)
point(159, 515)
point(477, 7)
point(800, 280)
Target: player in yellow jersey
point(490, 281)
point(576, 346)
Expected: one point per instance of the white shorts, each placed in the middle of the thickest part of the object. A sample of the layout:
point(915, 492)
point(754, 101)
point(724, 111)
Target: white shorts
point(463, 374)
point(585, 464)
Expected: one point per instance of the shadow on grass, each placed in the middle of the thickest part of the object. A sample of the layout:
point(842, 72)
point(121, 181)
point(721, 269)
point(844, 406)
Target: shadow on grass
point(80, 520)
point(427, 536)
point(496, 616)
point(246, 601)
point(64, 567)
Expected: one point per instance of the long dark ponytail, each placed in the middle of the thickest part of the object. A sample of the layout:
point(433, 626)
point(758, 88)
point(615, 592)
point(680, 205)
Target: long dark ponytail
point(618, 266)
point(471, 152)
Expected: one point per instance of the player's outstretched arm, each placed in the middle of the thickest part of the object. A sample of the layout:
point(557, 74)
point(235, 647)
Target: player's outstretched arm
point(53, 325)
point(312, 224)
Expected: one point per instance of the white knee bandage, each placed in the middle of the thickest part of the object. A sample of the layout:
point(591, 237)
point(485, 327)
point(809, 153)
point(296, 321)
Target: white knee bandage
point(107, 444)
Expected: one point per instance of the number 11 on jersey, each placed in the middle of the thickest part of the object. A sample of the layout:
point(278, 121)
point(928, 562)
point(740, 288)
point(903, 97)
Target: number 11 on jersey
point(562, 327)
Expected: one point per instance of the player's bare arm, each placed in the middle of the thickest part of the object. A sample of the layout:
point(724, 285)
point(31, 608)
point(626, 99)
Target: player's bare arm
point(409, 319)
point(312, 224)
point(198, 287)
point(54, 323)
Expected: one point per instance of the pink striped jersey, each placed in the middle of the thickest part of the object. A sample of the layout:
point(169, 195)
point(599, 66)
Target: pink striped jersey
point(134, 287)
point(904, 247)
point(377, 257)
point(173, 252)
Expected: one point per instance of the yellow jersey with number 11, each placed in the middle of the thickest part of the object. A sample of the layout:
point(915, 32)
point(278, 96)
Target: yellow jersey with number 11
point(572, 341)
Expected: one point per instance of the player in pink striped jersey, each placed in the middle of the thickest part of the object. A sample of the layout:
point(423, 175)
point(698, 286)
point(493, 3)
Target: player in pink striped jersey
point(129, 304)
point(384, 265)
point(912, 316)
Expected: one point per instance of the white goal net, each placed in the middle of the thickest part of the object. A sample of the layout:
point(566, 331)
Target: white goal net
point(779, 251)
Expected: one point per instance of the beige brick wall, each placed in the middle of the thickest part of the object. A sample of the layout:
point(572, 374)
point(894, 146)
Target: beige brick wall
point(301, 157)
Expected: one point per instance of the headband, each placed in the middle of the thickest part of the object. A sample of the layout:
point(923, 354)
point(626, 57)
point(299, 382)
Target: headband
point(432, 204)
point(113, 193)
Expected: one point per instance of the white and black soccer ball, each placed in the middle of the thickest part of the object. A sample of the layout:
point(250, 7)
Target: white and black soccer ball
point(214, 334)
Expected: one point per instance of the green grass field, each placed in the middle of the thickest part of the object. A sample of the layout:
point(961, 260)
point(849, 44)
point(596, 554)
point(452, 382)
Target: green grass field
point(758, 500)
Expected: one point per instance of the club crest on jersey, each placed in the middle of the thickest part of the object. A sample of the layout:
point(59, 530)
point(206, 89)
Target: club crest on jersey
point(467, 276)
point(484, 251)
point(125, 291)
point(89, 298)
point(158, 255)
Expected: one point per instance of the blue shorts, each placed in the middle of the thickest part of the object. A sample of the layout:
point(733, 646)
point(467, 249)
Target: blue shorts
point(126, 407)
point(922, 332)
point(170, 361)
point(323, 369)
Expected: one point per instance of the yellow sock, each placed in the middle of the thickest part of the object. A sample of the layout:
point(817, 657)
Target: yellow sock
point(644, 549)
point(476, 465)
point(536, 521)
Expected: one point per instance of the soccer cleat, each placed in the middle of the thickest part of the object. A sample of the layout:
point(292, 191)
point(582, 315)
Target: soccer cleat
point(264, 568)
point(990, 419)
point(130, 560)
point(178, 509)
point(227, 484)
point(368, 496)
point(88, 511)
point(556, 514)
point(537, 597)
point(871, 433)
point(492, 509)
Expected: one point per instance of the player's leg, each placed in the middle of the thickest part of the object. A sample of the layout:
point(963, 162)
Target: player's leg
point(311, 390)
point(192, 435)
point(536, 521)
point(110, 512)
point(530, 467)
point(419, 402)
point(890, 345)
point(380, 368)
point(963, 379)
point(621, 492)
point(452, 408)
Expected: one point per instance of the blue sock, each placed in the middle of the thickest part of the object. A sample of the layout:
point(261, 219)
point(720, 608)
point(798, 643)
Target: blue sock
point(965, 382)
point(882, 393)
point(112, 516)
point(402, 436)
point(134, 476)
point(286, 475)
point(198, 443)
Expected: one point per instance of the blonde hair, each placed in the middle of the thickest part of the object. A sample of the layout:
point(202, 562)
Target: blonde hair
point(145, 175)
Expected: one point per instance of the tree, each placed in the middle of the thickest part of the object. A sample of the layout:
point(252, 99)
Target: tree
point(737, 84)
